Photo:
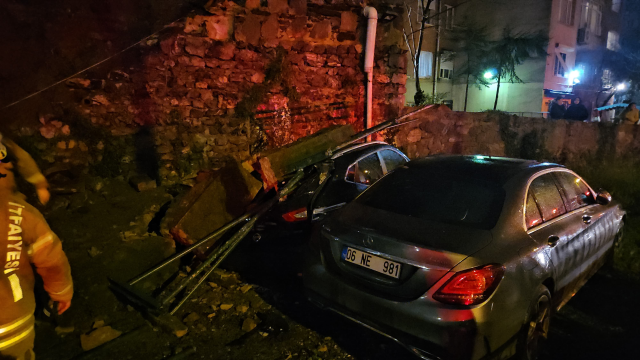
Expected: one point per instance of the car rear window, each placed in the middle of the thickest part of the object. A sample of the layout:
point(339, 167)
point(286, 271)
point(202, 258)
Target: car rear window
point(441, 197)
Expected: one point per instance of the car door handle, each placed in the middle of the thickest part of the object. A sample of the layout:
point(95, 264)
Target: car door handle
point(586, 219)
point(553, 240)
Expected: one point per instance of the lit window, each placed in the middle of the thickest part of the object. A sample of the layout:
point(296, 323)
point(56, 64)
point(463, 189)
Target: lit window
point(566, 12)
point(613, 41)
point(425, 65)
point(558, 69)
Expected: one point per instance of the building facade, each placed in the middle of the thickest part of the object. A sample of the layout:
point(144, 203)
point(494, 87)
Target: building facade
point(580, 33)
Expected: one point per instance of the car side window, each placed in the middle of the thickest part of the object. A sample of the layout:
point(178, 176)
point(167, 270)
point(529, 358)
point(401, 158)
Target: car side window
point(532, 214)
point(392, 159)
point(576, 192)
point(547, 196)
point(366, 171)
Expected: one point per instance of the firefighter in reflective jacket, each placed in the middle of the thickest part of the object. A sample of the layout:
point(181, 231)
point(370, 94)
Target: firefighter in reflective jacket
point(26, 167)
point(25, 239)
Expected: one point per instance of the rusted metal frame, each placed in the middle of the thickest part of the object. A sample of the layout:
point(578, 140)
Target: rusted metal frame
point(225, 249)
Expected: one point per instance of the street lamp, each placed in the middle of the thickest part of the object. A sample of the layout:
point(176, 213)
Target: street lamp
point(574, 77)
point(488, 74)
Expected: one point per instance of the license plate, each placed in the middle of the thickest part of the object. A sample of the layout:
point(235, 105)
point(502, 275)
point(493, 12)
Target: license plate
point(373, 262)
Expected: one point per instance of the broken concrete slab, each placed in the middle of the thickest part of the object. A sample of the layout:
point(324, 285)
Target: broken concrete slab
point(169, 323)
point(217, 198)
point(306, 151)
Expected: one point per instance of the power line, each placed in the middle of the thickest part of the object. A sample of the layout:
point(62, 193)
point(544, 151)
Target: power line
point(94, 65)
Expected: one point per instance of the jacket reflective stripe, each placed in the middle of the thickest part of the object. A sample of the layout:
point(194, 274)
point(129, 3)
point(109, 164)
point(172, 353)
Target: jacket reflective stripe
point(42, 241)
point(15, 287)
point(12, 341)
point(7, 328)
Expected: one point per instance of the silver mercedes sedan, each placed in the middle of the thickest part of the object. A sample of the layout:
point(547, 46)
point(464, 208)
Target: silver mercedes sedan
point(463, 257)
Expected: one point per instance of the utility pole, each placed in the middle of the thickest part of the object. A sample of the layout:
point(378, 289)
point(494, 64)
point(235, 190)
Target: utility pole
point(436, 55)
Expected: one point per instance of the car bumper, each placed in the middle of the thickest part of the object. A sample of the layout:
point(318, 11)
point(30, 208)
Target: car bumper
point(426, 327)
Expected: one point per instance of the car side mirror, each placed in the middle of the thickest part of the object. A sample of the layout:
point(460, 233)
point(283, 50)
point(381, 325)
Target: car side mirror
point(603, 197)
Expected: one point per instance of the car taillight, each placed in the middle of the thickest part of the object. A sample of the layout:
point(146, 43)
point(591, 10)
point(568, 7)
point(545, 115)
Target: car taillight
point(295, 215)
point(470, 287)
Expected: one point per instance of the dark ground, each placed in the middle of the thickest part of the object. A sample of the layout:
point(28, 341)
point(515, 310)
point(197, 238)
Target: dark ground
point(599, 322)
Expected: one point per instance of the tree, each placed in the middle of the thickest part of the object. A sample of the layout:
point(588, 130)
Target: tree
point(421, 12)
point(511, 51)
point(472, 53)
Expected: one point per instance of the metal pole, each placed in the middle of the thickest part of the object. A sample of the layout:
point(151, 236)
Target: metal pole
point(177, 256)
point(379, 127)
point(219, 251)
point(226, 248)
point(229, 246)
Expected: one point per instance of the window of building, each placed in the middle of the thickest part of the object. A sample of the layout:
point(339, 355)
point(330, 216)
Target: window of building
point(566, 12)
point(613, 41)
point(616, 5)
point(558, 69)
point(426, 64)
point(606, 77)
point(591, 19)
point(446, 74)
point(448, 17)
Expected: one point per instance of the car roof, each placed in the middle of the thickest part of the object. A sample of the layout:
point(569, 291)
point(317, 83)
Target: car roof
point(352, 153)
point(488, 168)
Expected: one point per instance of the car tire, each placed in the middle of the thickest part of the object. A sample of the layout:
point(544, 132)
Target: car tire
point(533, 335)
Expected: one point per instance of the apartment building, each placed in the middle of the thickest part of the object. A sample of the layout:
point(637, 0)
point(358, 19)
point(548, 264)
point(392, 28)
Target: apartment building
point(580, 33)
point(600, 28)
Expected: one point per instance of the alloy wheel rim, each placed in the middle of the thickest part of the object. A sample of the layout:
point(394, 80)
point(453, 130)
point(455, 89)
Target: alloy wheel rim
point(538, 327)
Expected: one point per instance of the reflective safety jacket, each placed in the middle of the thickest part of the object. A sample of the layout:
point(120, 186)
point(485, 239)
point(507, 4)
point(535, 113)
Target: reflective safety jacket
point(25, 239)
point(24, 163)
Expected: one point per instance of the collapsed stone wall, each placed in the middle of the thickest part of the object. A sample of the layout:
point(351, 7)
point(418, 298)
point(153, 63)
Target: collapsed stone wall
point(243, 77)
point(500, 134)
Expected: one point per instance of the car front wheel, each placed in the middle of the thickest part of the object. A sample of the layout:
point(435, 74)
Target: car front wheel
point(534, 333)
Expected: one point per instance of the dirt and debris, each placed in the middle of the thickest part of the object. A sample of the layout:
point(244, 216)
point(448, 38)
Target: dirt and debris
point(228, 319)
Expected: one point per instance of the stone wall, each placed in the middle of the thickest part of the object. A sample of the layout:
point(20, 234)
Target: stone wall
point(500, 134)
point(243, 77)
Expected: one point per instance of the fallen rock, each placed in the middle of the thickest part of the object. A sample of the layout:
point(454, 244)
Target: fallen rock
point(191, 318)
point(246, 288)
point(64, 330)
point(248, 324)
point(226, 306)
point(142, 182)
point(98, 324)
point(170, 324)
point(98, 337)
point(242, 308)
point(93, 251)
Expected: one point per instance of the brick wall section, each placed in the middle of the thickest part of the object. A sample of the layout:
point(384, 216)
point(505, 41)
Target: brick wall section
point(504, 135)
point(193, 78)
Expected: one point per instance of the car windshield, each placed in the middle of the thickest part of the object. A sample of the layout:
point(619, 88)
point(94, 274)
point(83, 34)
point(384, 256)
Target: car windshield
point(437, 196)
